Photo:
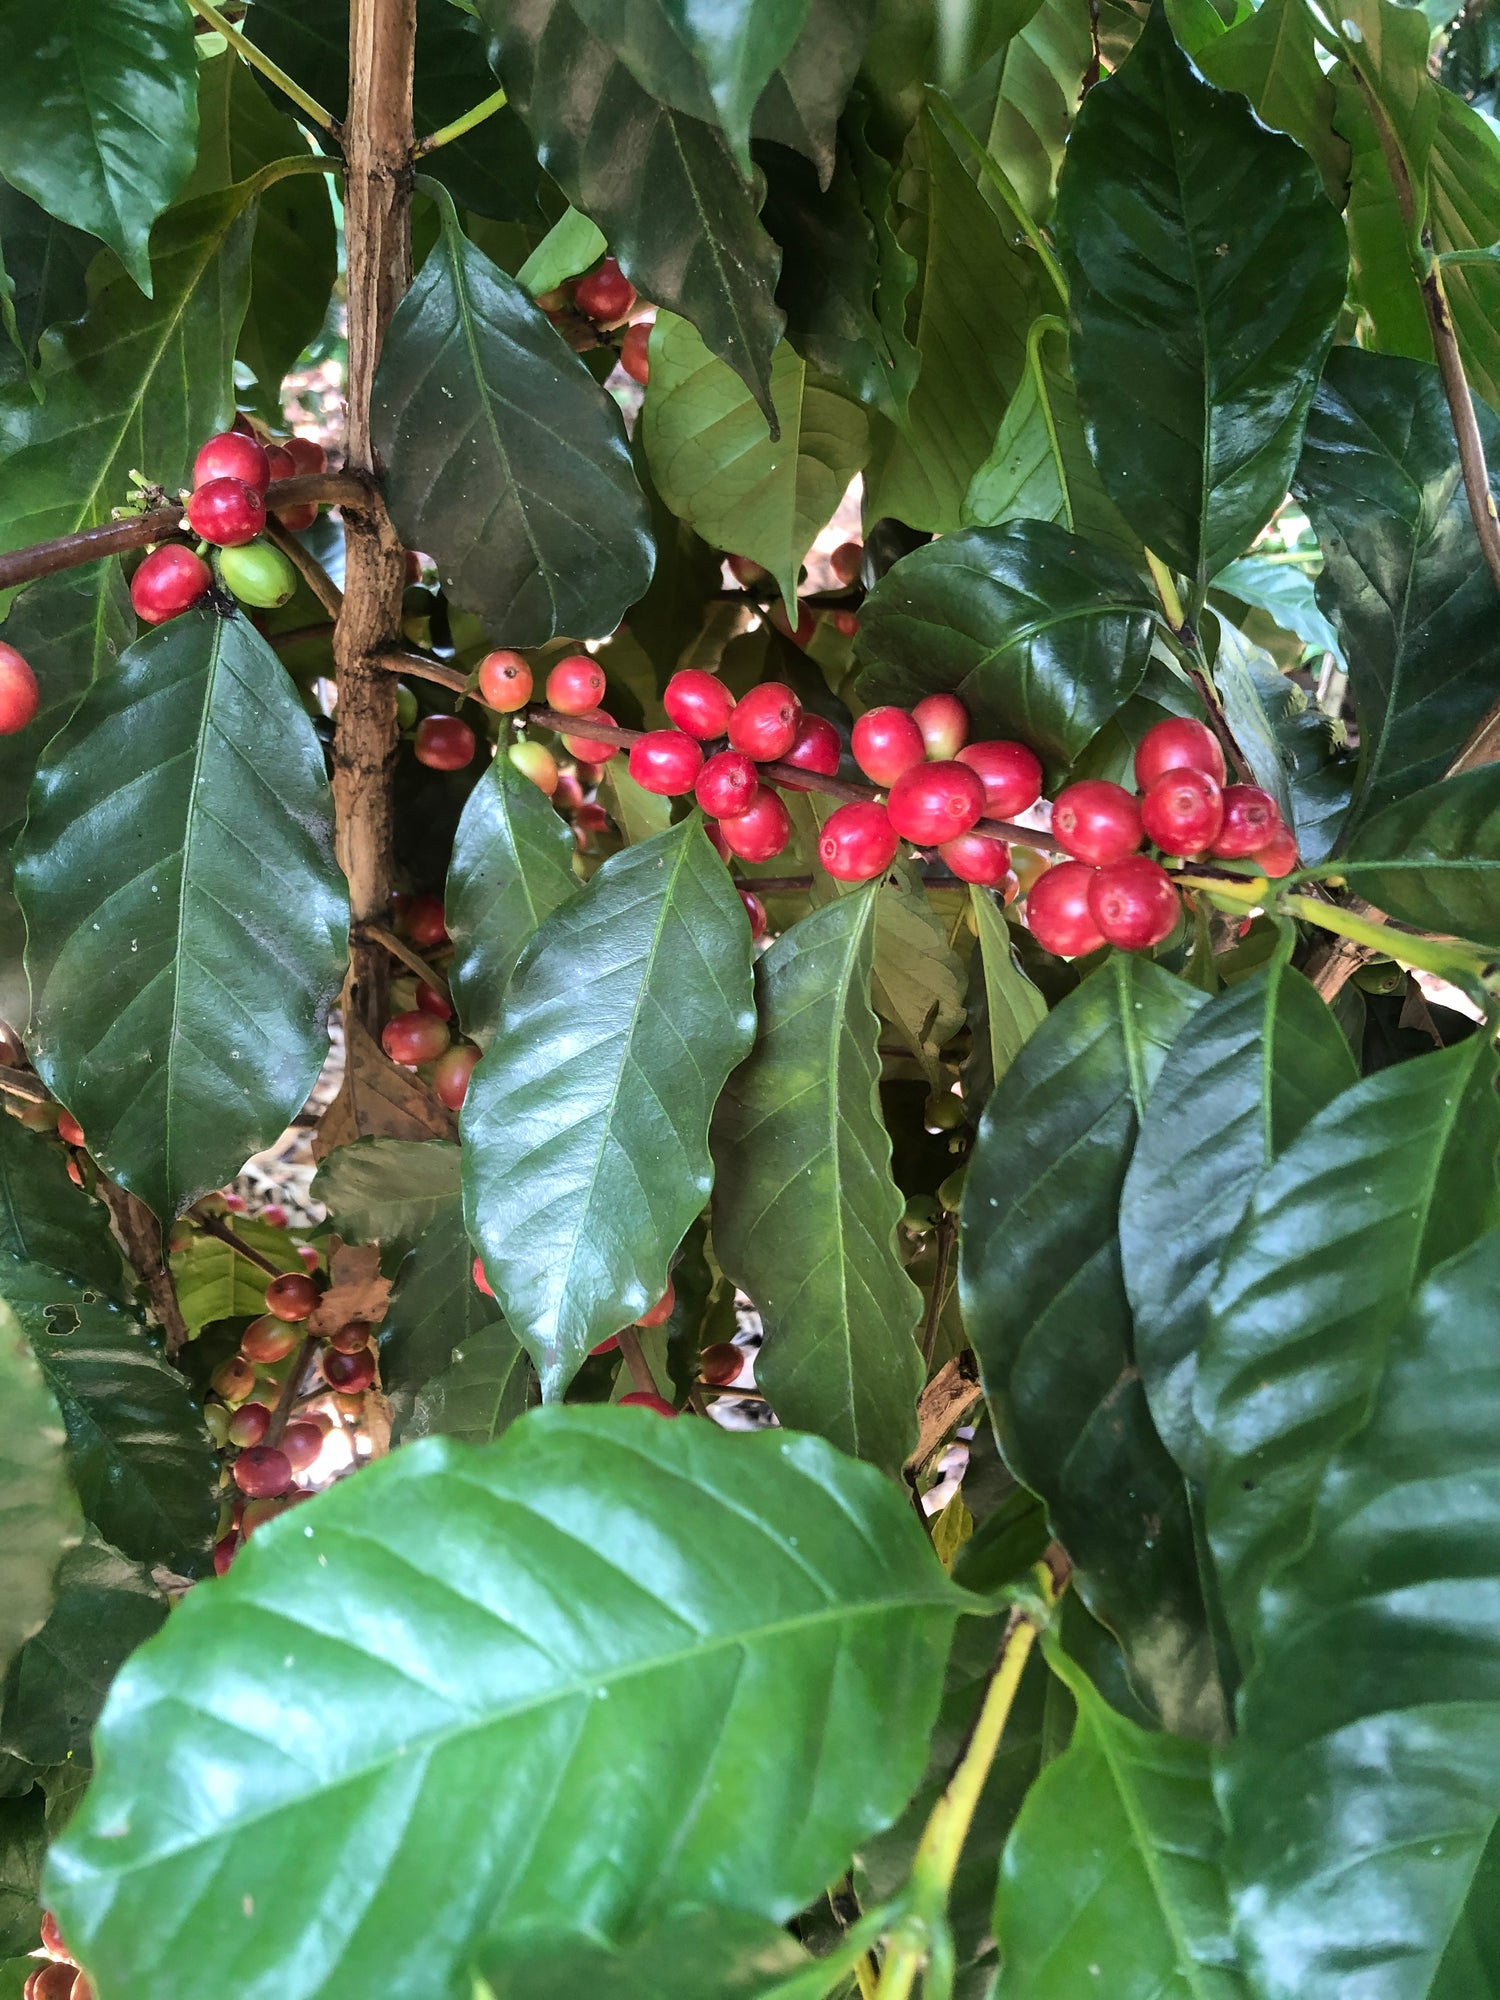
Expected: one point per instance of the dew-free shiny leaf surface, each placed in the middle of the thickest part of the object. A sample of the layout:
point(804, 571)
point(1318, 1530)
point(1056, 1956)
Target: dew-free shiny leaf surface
point(611, 1666)
point(1433, 859)
point(186, 922)
point(39, 1513)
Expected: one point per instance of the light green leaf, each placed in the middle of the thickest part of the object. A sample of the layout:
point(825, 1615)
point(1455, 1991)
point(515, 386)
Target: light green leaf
point(805, 1209)
point(1014, 1006)
point(917, 977)
point(639, 814)
point(586, 1124)
point(1285, 592)
point(571, 246)
point(1020, 103)
point(39, 1515)
point(386, 1190)
point(1271, 55)
point(737, 1589)
point(215, 1282)
point(187, 1031)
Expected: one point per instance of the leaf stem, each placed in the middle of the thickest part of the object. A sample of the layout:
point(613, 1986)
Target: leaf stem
point(288, 86)
point(413, 961)
point(446, 134)
point(945, 1236)
point(1427, 953)
point(307, 566)
point(636, 1362)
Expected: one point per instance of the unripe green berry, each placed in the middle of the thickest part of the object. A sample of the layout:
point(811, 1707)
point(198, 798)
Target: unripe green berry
point(258, 574)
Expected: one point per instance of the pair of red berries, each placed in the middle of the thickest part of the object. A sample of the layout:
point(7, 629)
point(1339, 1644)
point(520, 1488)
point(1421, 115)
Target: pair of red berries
point(59, 1978)
point(421, 1035)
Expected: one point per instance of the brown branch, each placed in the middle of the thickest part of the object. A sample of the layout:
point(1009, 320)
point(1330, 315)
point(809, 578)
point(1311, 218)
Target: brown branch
point(635, 1360)
point(413, 961)
point(943, 1405)
point(140, 1237)
point(945, 1236)
point(292, 1388)
point(20, 1083)
point(307, 566)
point(417, 667)
point(162, 524)
point(1219, 721)
point(209, 1225)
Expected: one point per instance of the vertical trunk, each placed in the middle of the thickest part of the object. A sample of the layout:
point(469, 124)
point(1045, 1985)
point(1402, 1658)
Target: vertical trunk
point(377, 198)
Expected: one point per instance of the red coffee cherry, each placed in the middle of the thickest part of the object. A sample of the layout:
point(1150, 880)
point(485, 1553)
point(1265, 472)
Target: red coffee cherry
point(1057, 910)
point(635, 351)
point(846, 561)
point(482, 1283)
point(233, 455)
point(575, 685)
point(589, 818)
point(19, 695)
point(699, 703)
point(414, 1038)
point(662, 1310)
point(746, 570)
point(858, 842)
point(569, 794)
point(224, 1552)
point(1183, 811)
point(226, 512)
point(424, 921)
point(68, 1129)
point(666, 762)
point(170, 581)
point(764, 722)
point(444, 743)
point(1252, 820)
point(1134, 903)
point(716, 839)
point(761, 831)
point(308, 455)
point(585, 748)
point(268, 1339)
point(755, 910)
point(944, 723)
point(292, 1296)
point(430, 1001)
point(727, 784)
point(607, 1345)
point(505, 681)
point(936, 802)
point(887, 743)
point(1097, 822)
point(302, 1442)
point(258, 1511)
point(52, 1937)
point(1011, 772)
point(249, 1424)
point(641, 1400)
point(280, 461)
point(353, 1337)
point(720, 1363)
point(233, 1379)
point(1277, 858)
point(606, 295)
point(451, 1073)
point(974, 857)
point(1177, 743)
point(816, 748)
point(349, 1373)
point(262, 1473)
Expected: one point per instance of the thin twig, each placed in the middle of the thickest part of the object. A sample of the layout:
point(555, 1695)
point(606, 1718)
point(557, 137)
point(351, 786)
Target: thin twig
point(20, 1084)
point(412, 960)
point(292, 1388)
point(210, 1225)
point(945, 1236)
point(636, 1362)
point(312, 572)
point(287, 85)
point(417, 667)
point(446, 134)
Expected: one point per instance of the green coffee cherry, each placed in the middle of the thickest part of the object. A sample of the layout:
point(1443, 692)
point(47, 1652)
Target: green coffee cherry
point(258, 574)
point(943, 1112)
point(920, 1214)
point(1384, 976)
point(951, 1193)
point(406, 706)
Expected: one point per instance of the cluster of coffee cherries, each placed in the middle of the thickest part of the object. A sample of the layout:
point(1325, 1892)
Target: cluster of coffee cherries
point(419, 1037)
point(58, 1976)
point(263, 1473)
point(606, 299)
point(226, 510)
point(1109, 891)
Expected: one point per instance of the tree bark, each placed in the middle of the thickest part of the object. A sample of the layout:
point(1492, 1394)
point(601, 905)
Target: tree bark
point(377, 203)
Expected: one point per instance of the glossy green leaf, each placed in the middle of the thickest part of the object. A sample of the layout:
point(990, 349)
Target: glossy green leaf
point(185, 1032)
point(1020, 102)
point(716, 467)
point(215, 1282)
point(1364, 1786)
point(917, 979)
point(384, 1190)
point(1285, 592)
point(586, 1125)
point(506, 461)
point(1045, 1306)
point(530, 1767)
point(1271, 55)
point(1434, 858)
point(294, 261)
point(436, 1311)
point(663, 187)
point(705, 1955)
point(139, 1455)
point(44, 1219)
point(512, 867)
point(1396, 1175)
point(51, 1697)
point(1206, 282)
point(639, 814)
point(1014, 1007)
point(71, 627)
point(1402, 575)
point(1245, 1075)
point(1112, 1880)
point(39, 1515)
point(1041, 634)
point(99, 115)
point(483, 1392)
point(23, 1845)
point(805, 1209)
point(45, 263)
point(136, 384)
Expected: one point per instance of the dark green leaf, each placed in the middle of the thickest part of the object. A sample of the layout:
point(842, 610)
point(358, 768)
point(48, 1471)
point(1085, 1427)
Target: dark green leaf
point(71, 627)
point(387, 1190)
point(1206, 281)
point(1272, 56)
point(707, 1955)
point(214, 1281)
point(51, 1698)
point(23, 1844)
point(1363, 1789)
point(1434, 859)
point(480, 1395)
point(39, 1515)
point(45, 264)
point(663, 187)
point(1112, 1880)
point(187, 1030)
point(512, 867)
point(44, 1219)
point(436, 1311)
point(1239, 1083)
point(535, 1766)
point(801, 104)
point(99, 115)
point(805, 1210)
point(1403, 574)
point(1395, 1175)
point(137, 384)
point(1041, 634)
point(716, 467)
point(506, 460)
point(1045, 1306)
point(586, 1124)
point(139, 1454)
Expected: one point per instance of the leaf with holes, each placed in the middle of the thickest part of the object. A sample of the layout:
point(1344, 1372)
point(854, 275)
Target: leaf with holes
point(586, 1135)
point(805, 1209)
point(186, 1032)
point(734, 1584)
point(39, 1515)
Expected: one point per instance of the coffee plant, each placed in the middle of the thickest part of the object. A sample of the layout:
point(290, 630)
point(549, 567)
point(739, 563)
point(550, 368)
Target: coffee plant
point(851, 650)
